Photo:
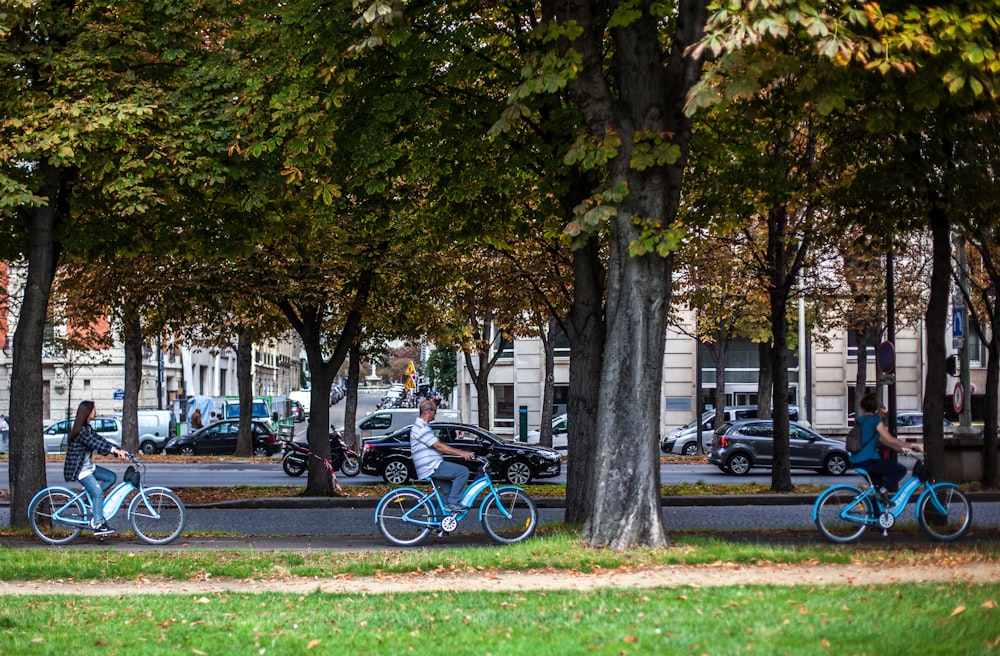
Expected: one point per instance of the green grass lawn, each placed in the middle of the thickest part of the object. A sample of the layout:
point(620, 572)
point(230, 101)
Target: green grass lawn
point(899, 619)
point(740, 619)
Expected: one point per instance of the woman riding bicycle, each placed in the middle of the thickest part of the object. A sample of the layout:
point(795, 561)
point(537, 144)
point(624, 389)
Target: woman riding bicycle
point(874, 433)
point(83, 441)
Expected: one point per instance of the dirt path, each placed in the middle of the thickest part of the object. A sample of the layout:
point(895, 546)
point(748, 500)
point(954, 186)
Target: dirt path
point(668, 576)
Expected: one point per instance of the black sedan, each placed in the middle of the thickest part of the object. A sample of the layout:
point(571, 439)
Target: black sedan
point(740, 445)
point(517, 462)
point(220, 439)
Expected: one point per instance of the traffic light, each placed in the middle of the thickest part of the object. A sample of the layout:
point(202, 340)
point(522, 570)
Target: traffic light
point(953, 365)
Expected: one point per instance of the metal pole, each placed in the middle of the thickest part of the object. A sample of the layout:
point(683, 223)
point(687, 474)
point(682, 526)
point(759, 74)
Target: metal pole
point(890, 329)
point(965, 416)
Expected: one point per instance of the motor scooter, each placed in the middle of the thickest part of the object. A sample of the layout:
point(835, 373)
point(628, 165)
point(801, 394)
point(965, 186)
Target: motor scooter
point(342, 457)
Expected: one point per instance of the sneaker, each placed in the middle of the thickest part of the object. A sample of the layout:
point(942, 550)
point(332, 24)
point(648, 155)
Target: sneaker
point(454, 509)
point(103, 530)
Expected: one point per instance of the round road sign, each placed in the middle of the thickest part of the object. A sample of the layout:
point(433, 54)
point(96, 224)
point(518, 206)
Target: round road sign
point(886, 357)
point(958, 397)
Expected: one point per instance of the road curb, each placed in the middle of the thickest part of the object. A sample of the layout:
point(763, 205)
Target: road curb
point(720, 500)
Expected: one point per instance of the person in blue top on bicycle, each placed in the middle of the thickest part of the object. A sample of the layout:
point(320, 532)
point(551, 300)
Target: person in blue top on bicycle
point(873, 433)
point(83, 441)
point(426, 450)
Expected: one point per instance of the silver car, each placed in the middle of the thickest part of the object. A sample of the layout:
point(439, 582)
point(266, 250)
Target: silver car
point(741, 445)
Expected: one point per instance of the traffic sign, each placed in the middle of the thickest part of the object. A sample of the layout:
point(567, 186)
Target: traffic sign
point(411, 382)
point(886, 357)
point(410, 369)
point(958, 322)
point(958, 397)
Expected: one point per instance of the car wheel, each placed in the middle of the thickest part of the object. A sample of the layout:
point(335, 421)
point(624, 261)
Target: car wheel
point(261, 451)
point(148, 447)
point(517, 472)
point(739, 464)
point(187, 450)
point(691, 449)
point(835, 464)
point(396, 472)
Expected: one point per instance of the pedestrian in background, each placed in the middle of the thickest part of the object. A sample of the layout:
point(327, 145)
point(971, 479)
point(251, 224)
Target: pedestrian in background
point(4, 434)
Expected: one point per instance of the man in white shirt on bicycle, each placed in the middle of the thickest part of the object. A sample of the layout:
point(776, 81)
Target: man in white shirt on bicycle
point(428, 454)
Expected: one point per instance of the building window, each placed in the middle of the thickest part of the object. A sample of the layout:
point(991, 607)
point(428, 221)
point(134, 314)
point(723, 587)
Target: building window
point(852, 346)
point(975, 349)
point(503, 406)
point(560, 398)
point(560, 343)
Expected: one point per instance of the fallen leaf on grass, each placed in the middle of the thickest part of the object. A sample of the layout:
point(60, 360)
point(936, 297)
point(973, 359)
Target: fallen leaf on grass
point(958, 611)
point(313, 643)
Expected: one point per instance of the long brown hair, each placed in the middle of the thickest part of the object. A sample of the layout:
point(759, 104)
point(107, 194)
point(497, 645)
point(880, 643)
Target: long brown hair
point(82, 418)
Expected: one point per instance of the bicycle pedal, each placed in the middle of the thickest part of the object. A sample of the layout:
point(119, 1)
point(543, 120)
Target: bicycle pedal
point(443, 534)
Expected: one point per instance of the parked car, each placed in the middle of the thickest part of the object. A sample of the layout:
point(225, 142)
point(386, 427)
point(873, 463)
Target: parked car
point(560, 434)
point(54, 436)
point(384, 422)
point(519, 463)
point(913, 419)
point(683, 441)
point(741, 445)
point(298, 412)
point(220, 439)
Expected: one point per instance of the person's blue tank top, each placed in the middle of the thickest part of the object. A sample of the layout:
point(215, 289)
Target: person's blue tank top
point(869, 439)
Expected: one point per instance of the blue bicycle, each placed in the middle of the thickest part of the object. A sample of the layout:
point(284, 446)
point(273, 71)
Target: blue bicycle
point(843, 512)
point(406, 516)
point(58, 514)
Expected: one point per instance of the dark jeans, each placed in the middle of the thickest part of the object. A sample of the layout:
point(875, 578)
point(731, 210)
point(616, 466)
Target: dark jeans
point(884, 471)
point(451, 478)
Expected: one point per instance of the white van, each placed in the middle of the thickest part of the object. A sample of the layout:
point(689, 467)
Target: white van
point(383, 422)
point(304, 397)
point(155, 428)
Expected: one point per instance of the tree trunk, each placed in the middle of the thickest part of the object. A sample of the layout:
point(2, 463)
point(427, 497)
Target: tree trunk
point(585, 330)
point(308, 323)
point(133, 382)
point(351, 399)
point(778, 292)
point(936, 319)
point(765, 381)
point(720, 352)
point(545, 429)
point(641, 91)
point(27, 452)
point(481, 381)
point(244, 387)
point(627, 503)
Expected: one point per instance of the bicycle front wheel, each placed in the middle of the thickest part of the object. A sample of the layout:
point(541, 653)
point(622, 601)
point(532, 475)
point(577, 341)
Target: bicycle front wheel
point(509, 515)
point(842, 514)
point(945, 513)
point(159, 518)
point(404, 517)
point(47, 524)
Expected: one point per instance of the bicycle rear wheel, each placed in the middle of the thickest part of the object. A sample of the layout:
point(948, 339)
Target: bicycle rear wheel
point(48, 527)
point(160, 520)
point(842, 514)
point(949, 517)
point(403, 517)
point(509, 516)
